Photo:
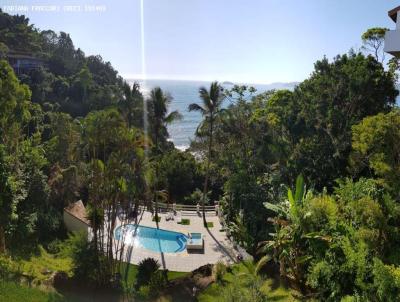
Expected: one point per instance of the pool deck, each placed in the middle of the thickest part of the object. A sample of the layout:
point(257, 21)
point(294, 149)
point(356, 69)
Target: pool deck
point(217, 247)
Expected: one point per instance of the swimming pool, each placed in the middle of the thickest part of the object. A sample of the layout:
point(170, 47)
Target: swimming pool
point(156, 240)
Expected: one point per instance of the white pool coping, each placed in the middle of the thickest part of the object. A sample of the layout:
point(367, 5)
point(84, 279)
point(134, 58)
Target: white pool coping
point(217, 247)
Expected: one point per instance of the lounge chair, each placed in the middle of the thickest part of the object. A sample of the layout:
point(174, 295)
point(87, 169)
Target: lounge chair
point(170, 216)
point(195, 241)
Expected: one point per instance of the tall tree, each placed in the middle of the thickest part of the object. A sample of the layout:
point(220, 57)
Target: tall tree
point(338, 95)
point(131, 105)
point(6, 201)
point(159, 119)
point(373, 40)
point(14, 104)
point(211, 107)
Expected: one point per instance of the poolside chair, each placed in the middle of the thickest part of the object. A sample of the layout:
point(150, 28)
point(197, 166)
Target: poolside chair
point(195, 242)
point(170, 216)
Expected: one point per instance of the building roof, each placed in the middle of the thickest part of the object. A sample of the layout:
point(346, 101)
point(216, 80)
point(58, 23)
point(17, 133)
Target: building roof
point(78, 210)
point(393, 13)
point(22, 55)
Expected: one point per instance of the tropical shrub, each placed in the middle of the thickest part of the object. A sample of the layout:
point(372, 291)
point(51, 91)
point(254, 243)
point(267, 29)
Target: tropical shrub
point(88, 264)
point(219, 271)
point(375, 143)
point(326, 243)
point(157, 282)
point(386, 281)
point(6, 267)
point(146, 269)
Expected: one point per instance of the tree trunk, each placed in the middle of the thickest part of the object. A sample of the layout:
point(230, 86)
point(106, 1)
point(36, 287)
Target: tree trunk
point(156, 176)
point(2, 240)
point(208, 169)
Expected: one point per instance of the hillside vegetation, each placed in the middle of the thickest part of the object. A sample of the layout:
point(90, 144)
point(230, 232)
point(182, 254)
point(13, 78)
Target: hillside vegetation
point(307, 180)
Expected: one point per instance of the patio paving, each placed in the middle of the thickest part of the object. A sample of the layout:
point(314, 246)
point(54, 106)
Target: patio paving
point(217, 247)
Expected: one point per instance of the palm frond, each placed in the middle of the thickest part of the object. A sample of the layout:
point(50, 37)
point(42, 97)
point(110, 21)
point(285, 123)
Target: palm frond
point(299, 194)
point(205, 96)
point(196, 107)
point(173, 116)
point(273, 207)
point(262, 262)
point(302, 259)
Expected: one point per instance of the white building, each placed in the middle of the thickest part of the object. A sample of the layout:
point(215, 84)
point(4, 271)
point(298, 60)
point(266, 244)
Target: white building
point(392, 37)
point(75, 217)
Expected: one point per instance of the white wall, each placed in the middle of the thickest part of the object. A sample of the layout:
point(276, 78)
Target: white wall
point(392, 39)
point(73, 224)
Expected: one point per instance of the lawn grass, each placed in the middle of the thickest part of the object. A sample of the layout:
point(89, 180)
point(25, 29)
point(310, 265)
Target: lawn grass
point(185, 221)
point(37, 268)
point(10, 291)
point(37, 265)
point(129, 272)
point(273, 291)
point(210, 224)
point(176, 275)
point(158, 218)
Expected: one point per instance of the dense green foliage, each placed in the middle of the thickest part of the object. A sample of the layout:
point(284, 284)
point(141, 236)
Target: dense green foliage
point(266, 142)
point(376, 148)
point(146, 269)
point(339, 129)
point(240, 283)
point(181, 174)
point(341, 239)
point(73, 129)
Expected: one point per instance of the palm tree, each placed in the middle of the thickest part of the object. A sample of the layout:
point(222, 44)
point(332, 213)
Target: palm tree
point(212, 101)
point(131, 105)
point(159, 117)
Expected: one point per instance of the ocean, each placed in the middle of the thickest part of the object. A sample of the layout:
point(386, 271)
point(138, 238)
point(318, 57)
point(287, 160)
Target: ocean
point(184, 93)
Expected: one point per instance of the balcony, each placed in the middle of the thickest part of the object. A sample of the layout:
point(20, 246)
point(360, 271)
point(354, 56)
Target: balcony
point(392, 42)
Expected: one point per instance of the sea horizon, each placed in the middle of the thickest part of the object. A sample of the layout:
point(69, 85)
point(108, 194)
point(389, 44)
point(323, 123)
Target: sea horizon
point(185, 92)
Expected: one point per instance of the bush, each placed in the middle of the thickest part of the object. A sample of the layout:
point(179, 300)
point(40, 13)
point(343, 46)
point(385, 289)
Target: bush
point(143, 294)
point(88, 264)
point(386, 281)
point(146, 269)
point(181, 174)
point(321, 212)
point(55, 246)
point(6, 267)
point(219, 271)
point(157, 283)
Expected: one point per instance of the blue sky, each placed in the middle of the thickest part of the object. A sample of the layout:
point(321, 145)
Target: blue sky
point(253, 41)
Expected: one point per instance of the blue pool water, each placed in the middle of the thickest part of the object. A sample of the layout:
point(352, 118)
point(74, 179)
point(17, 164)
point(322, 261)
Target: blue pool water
point(156, 240)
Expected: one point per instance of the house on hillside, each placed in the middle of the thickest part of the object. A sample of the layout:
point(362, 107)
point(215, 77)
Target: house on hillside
point(392, 37)
point(24, 62)
point(75, 217)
